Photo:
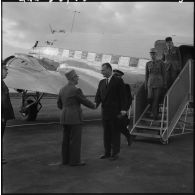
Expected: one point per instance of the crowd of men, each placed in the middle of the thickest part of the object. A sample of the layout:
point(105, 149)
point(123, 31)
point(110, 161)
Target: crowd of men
point(115, 99)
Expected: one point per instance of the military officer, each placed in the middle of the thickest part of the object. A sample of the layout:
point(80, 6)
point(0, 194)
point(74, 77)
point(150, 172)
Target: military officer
point(69, 101)
point(154, 81)
point(124, 120)
point(172, 59)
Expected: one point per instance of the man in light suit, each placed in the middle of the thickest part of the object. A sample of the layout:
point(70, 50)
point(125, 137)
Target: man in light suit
point(69, 101)
point(110, 94)
point(7, 112)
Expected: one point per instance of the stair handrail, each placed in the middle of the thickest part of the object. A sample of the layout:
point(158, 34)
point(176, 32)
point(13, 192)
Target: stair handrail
point(185, 75)
point(140, 102)
point(163, 118)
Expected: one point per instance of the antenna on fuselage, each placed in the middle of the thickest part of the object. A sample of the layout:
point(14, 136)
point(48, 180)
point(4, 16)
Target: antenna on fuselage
point(73, 20)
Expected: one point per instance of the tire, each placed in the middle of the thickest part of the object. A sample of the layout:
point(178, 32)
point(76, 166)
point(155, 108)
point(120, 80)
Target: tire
point(30, 114)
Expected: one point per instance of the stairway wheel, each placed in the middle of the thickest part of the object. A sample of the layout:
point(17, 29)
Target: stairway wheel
point(164, 142)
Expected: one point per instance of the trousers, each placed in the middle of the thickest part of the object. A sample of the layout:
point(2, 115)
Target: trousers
point(154, 100)
point(111, 136)
point(71, 144)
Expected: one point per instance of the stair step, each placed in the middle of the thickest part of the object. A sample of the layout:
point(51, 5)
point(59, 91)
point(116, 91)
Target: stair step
point(147, 115)
point(148, 127)
point(146, 135)
point(148, 123)
point(152, 120)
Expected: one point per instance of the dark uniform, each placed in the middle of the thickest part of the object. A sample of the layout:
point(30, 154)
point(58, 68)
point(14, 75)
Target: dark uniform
point(124, 120)
point(172, 59)
point(155, 82)
point(7, 112)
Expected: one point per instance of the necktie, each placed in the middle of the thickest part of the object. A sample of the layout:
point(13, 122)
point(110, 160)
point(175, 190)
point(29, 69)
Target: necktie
point(106, 82)
point(169, 50)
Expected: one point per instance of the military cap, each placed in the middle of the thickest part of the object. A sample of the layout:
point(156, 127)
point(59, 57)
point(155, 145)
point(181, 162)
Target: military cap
point(168, 39)
point(118, 72)
point(153, 50)
point(70, 74)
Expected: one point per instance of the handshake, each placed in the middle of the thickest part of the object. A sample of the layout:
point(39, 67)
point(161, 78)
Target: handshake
point(95, 105)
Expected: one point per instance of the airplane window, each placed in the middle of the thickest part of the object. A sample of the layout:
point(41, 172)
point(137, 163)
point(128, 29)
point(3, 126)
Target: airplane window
point(115, 59)
point(133, 62)
point(84, 55)
point(98, 57)
point(71, 53)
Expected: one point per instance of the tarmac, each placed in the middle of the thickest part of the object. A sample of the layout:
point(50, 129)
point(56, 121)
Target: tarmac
point(147, 166)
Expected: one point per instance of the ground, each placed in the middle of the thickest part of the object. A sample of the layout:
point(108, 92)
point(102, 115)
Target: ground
point(146, 166)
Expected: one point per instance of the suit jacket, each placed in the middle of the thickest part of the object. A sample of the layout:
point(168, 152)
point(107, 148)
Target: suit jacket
point(172, 58)
point(6, 106)
point(128, 96)
point(111, 97)
point(69, 100)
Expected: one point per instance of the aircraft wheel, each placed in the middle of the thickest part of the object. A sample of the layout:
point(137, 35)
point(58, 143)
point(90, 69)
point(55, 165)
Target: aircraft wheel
point(29, 113)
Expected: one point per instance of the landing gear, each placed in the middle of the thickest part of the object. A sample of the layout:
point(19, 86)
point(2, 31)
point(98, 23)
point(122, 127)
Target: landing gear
point(30, 105)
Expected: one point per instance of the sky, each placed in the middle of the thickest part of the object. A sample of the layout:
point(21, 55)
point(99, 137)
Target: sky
point(123, 28)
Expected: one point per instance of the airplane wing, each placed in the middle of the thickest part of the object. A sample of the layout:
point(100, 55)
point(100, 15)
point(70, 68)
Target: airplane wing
point(30, 73)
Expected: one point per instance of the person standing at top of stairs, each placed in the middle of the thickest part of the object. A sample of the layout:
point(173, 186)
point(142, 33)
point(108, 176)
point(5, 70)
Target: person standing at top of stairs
point(172, 59)
point(154, 82)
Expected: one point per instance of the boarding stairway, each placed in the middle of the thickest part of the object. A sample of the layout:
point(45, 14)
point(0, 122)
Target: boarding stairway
point(176, 110)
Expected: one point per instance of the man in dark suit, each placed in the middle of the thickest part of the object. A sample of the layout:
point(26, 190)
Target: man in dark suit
point(69, 101)
point(124, 120)
point(173, 62)
point(110, 94)
point(7, 112)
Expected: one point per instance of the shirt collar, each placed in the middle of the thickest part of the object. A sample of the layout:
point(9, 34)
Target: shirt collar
point(109, 78)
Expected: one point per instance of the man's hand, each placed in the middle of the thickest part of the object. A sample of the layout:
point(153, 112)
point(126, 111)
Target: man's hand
point(96, 105)
point(123, 112)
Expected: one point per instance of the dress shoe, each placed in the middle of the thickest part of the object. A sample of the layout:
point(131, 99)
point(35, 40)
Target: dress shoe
point(104, 156)
point(114, 157)
point(129, 140)
point(78, 164)
point(57, 164)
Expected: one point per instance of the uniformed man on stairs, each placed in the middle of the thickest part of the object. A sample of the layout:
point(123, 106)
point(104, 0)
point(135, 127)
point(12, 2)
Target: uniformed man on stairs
point(154, 82)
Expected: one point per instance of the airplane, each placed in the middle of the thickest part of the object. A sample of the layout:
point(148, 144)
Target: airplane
point(42, 71)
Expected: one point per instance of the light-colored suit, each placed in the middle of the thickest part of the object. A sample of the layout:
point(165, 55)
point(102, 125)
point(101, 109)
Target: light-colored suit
point(155, 82)
point(69, 101)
